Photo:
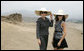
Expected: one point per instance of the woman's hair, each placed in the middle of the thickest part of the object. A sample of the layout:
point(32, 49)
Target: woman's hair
point(56, 18)
point(40, 12)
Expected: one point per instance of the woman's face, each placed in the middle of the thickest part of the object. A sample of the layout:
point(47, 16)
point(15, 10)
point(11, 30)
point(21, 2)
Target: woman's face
point(43, 14)
point(60, 17)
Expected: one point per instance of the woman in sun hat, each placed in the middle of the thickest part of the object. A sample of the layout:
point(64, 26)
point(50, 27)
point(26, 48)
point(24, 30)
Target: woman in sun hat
point(42, 26)
point(59, 42)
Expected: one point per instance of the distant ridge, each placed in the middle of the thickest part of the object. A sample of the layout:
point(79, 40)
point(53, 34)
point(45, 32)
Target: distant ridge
point(12, 18)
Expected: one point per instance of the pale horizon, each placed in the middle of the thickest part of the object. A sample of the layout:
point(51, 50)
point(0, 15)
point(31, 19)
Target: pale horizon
point(73, 8)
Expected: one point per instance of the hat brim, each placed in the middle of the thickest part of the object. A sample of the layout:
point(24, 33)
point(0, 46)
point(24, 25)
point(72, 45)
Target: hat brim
point(65, 15)
point(37, 12)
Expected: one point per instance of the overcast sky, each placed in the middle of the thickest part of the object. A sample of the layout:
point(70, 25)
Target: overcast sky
point(73, 8)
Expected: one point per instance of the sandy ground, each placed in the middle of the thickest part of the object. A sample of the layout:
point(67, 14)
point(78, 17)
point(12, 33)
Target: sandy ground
point(23, 37)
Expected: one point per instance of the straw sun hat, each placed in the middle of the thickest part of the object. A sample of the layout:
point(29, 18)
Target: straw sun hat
point(61, 12)
point(44, 10)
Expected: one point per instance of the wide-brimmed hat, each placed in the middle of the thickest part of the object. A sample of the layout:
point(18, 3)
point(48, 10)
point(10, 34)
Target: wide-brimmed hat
point(44, 10)
point(61, 12)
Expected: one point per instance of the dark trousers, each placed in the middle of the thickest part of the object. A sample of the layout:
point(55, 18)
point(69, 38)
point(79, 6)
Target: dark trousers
point(44, 42)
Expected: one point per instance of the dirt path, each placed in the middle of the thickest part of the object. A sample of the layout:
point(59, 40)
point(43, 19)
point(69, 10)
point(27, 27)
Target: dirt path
point(17, 37)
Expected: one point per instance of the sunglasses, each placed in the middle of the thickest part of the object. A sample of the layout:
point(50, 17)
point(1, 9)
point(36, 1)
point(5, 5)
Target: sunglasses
point(43, 12)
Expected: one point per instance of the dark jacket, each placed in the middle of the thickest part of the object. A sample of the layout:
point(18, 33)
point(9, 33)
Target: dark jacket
point(42, 26)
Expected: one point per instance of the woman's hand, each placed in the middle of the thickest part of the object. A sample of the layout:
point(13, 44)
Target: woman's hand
point(39, 41)
point(51, 16)
point(59, 43)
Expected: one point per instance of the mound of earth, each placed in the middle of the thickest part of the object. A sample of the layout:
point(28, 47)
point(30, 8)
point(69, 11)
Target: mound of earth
point(12, 18)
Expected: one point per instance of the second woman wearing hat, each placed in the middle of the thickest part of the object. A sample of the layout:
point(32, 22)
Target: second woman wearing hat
point(42, 26)
point(59, 42)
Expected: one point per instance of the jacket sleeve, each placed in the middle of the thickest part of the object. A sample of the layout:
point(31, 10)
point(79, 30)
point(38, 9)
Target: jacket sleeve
point(51, 23)
point(37, 29)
